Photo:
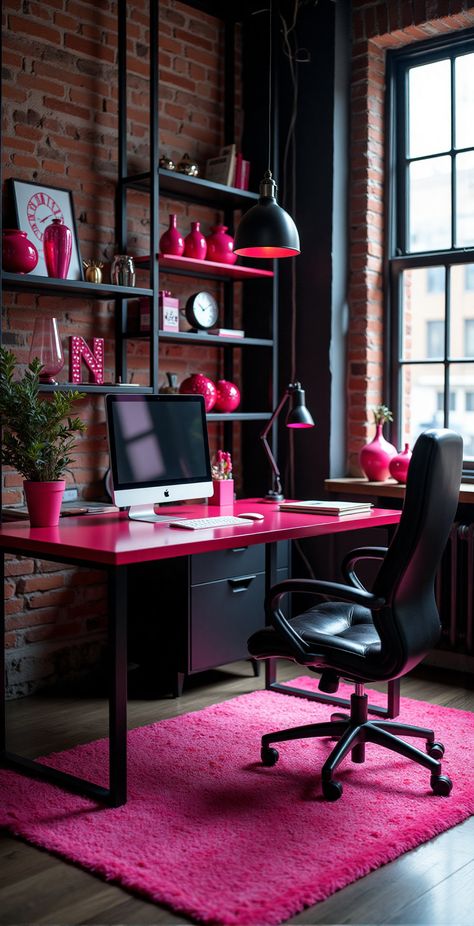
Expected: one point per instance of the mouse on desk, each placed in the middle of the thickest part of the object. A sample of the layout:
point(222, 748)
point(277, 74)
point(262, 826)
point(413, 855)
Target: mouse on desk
point(252, 515)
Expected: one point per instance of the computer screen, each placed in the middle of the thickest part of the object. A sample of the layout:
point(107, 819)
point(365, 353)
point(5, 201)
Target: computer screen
point(159, 451)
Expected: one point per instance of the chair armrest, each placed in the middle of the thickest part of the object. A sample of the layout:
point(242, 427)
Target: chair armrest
point(355, 556)
point(298, 646)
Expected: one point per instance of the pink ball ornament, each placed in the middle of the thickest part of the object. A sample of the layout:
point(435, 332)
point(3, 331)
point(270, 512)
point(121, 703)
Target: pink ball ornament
point(198, 384)
point(228, 396)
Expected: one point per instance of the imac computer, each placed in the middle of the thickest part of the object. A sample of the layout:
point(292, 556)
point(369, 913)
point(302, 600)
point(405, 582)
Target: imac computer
point(159, 451)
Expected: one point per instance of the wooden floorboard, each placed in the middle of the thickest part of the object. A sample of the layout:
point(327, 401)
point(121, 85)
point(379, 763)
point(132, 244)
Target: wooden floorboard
point(432, 885)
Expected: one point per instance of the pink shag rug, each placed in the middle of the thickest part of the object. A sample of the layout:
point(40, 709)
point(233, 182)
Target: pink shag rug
point(212, 834)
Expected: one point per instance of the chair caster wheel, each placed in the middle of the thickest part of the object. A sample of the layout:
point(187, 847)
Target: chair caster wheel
point(332, 790)
point(441, 784)
point(435, 750)
point(269, 756)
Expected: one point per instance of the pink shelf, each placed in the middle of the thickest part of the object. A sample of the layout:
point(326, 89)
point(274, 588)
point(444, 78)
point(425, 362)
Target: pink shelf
point(206, 267)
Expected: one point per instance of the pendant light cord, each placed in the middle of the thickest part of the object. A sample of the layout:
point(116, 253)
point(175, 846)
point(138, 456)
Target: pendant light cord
point(270, 65)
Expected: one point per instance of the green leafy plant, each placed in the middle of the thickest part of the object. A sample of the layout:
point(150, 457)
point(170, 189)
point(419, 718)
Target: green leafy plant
point(38, 433)
point(382, 414)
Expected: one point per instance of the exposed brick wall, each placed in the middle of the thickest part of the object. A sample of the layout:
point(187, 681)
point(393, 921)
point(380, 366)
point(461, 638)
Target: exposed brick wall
point(60, 127)
point(377, 26)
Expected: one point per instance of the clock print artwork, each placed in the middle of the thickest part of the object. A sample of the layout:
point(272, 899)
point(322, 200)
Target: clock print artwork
point(36, 205)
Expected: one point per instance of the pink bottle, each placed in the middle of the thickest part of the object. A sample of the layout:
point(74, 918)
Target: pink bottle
point(198, 384)
point(195, 243)
point(375, 457)
point(398, 465)
point(172, 241)
point(220, 246)
point(19, 255)
point(57, 245)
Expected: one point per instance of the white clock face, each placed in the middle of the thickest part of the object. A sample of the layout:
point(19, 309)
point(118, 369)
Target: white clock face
point(203, 310)
point(41, 209)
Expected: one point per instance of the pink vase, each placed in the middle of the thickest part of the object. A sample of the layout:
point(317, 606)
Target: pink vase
point(223, 494)
point(375, 457)
point(220, 245)
point(172, 241)
point(19, 255)
point(57, 244)
point(43, 500)
point(195, 243)
point(228, 396)
point(199, 384)
point(399, 464)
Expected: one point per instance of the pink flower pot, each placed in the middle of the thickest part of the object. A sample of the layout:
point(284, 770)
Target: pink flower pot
point(375, 457)
point(19, 255)
point(195, 243)
point(399, 464)
point(199, 384)
point(220, 245)
point(223, 494)
point(172, 241)
point(228, 396)
point(57, 245)
point(43, 500)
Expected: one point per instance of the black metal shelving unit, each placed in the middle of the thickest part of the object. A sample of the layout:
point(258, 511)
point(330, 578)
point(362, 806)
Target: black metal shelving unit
point(158, 182)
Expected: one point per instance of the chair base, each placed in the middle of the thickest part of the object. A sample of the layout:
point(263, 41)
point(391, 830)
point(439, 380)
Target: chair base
point(354, 732)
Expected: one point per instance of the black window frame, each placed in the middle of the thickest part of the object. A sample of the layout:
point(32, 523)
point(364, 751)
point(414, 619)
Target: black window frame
point(397, 258)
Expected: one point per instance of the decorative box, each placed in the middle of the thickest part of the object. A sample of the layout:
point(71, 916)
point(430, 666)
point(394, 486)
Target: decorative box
point(168, 309)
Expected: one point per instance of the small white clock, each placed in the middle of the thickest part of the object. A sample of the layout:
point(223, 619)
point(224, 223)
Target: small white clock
point(202, 310)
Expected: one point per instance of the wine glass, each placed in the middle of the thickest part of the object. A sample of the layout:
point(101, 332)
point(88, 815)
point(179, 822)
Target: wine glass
point(46, 346)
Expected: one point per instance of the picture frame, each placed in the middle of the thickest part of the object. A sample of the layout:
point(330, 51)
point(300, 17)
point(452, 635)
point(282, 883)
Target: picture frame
point(35, 203)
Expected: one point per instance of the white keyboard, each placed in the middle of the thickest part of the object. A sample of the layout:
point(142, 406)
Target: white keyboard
point(196, 524)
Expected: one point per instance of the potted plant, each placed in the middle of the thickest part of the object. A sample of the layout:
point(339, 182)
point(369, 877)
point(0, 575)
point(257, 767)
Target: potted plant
point(375, 457)
point(39, 435)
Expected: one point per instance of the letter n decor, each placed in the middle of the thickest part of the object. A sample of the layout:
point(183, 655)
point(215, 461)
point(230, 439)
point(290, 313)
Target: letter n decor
point(94, 359)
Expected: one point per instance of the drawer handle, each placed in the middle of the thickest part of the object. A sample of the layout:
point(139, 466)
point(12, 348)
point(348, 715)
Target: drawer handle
point(240, 583)
point(238, 549)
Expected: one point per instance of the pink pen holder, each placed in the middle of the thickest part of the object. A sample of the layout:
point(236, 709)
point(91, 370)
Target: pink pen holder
point(223, 492)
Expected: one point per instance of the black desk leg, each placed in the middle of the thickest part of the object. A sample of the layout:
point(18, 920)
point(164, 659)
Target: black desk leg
point(270, 580)
point(118, 686)
point(116, 793)
point(3, 732)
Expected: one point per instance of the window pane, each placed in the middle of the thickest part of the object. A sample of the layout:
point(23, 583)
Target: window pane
point(461, 380)
point(465, 199)
point(462, 314)
point(469, 277)
point(464, 78)
point(421, 388)
point(429, 184)
point(422, 329)
point(429, 89)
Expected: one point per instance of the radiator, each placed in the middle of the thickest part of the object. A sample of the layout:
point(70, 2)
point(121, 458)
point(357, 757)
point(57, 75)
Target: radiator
point(455, 591)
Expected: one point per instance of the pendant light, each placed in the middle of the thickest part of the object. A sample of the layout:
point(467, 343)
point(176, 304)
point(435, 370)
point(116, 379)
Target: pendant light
point(266, 230)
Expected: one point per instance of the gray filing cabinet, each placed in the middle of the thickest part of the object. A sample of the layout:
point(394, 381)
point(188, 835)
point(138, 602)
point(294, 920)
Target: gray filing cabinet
point(195, 613)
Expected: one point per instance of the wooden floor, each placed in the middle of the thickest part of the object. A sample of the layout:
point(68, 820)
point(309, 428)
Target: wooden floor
point(432, 885)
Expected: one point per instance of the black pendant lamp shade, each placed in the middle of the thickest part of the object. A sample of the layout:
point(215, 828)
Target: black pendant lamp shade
point(266, 230)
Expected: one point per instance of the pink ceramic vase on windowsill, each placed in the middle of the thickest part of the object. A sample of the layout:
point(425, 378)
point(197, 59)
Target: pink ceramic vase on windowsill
point(375, 457)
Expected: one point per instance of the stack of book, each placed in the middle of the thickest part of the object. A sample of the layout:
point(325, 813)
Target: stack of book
point(322, 507)
point(229, 168)
point(227, 332)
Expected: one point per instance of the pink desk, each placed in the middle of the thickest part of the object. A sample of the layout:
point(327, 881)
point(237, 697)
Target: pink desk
point(113, 542)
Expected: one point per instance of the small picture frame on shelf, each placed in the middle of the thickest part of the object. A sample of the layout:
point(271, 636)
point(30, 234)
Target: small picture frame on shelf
point(35, 206)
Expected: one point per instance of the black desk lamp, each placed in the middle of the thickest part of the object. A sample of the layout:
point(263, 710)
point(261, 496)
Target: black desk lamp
point(298, 417)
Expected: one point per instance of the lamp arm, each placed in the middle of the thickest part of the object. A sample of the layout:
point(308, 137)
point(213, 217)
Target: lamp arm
point(266, 445)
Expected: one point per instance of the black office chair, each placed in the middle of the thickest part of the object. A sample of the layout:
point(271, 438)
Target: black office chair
point(374, 636)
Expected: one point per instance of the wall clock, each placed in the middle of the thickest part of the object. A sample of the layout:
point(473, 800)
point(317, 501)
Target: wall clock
point(202, 310)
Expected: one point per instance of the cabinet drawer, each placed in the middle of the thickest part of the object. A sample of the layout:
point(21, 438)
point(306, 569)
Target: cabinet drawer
point(210, 567)
point(223, 616)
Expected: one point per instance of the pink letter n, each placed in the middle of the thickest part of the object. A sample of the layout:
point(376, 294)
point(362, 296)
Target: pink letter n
point(94, 359)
